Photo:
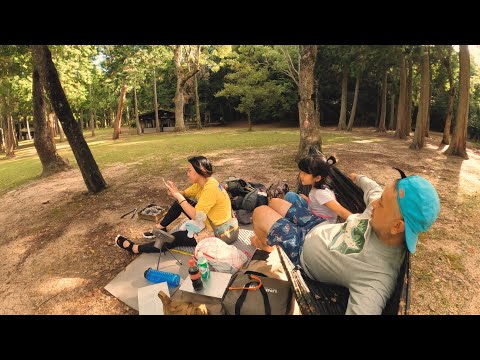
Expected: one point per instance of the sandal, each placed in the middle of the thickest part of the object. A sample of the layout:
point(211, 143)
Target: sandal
point(119, 240)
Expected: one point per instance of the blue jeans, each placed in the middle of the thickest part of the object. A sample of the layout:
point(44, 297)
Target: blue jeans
point(289, 232)
point(295, 199)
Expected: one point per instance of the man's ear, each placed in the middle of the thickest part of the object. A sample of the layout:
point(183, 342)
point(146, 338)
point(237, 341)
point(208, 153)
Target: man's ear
point(317, 178)
point(398, 227)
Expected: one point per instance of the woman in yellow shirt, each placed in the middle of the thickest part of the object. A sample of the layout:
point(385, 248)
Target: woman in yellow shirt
point(206, 195)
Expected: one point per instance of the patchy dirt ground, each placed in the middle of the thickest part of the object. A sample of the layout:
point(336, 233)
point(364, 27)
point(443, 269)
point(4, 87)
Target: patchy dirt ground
point(57, 241)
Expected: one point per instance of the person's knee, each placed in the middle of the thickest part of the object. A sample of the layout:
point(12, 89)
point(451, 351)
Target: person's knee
point(291, 197)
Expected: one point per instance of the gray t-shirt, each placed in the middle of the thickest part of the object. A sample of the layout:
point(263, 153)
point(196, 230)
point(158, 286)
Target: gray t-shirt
point(350, 254)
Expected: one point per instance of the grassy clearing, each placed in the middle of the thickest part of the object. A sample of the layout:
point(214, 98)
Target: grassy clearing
point(151, 151)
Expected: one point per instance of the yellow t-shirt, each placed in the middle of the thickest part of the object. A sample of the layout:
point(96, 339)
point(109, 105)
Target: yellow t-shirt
point(213, 200)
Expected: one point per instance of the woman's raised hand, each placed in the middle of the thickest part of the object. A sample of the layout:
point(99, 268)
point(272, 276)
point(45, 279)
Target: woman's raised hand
point(172, 189)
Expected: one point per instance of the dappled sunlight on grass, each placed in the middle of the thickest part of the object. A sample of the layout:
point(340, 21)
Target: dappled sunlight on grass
point(154, 151)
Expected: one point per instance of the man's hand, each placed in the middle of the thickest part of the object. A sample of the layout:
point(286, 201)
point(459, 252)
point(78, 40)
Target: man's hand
point(353, 176)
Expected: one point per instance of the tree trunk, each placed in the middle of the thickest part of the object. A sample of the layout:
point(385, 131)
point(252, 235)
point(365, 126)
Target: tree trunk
point(427, 122)
point(2, 140)
point(117, 123)
point(249, 121)
point(309, 123)
point(10, 150)
point(423, 104)
point(137, 120)
point(409, 96)
point(92, 121)
point(401, 131)
point(157, 120)
point(8, 141)
point(42, 60)
point(43, 141)
point(317, 101)
point(80, 120)
point(354, 106)
point(451, 98)
point(392, 111)
point(51, 124)
point(458, 145)
point(60, 129)
point(197, 105)
point(27, 125)
point(383, 113)
point(342, 122)
point(179, 101)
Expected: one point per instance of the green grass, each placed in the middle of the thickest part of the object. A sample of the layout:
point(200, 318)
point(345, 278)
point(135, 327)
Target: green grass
point(151, 151)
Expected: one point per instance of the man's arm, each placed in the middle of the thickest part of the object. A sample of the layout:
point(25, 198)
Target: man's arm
point(371, 190)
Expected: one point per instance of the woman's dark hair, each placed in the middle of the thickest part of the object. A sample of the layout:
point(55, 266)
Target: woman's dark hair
point(201, 165)
point(316, 165)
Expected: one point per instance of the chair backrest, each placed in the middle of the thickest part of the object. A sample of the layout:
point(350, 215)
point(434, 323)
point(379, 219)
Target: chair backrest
point(317, 298)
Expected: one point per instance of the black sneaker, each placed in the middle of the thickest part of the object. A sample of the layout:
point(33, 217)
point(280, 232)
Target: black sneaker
point(148, 235)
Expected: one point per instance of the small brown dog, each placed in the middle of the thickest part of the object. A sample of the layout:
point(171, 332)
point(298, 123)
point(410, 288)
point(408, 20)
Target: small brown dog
point(177, 307)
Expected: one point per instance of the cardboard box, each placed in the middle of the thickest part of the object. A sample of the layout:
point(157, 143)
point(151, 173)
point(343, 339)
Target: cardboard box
point(150, 217)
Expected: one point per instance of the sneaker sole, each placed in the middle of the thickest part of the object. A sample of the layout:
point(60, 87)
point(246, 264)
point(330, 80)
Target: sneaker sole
point(148, 236)
point(116, 243)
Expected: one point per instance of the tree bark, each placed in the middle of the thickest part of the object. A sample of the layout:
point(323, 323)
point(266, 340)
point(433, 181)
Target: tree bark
point(383, 112)
point(249, 121)
point(9, 141)
point(427, 122)
point(451, 98)
point(317, 101)
point(157, 120)
point(423, 104)
point(43, 141)
point(401, 131)
point(60, 129)
point(354, 106)
point(197, 104)
point(42, 60)
point(137, 120)
point(342, 121)
point(92, 120)
point(118, 119)
point(309, 123)
point(458, 145)
point(409, 96)
point(27, 125)
point(392, 111)
point(2, 140)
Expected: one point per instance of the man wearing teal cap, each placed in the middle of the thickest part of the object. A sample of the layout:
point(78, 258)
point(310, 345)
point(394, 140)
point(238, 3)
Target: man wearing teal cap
point(365, 252)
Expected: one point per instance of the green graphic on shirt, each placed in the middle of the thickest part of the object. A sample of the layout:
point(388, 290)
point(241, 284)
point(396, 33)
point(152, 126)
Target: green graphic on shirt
point(351, 237)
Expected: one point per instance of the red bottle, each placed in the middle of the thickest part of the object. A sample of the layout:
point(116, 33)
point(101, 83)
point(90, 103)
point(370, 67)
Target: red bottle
point(195, 275)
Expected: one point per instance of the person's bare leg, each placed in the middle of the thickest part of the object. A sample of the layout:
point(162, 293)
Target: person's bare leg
point(279, 205)
point(263, 219)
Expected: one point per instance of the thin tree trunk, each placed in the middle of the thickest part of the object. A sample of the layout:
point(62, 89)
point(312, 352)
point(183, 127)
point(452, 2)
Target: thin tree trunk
point(458, 145)
point(157, 120)
point(121, 101)
point(197, 105)
point(402, 105)
point(409, 96)
point(42, 60)
point(383, 113)
point(342, 121)
point(309, 122)
point(80, 120)
point(43, 140)
point(423, 104)
point(137, 120)
point(51, 124)
point(2, 140)
point(60, 129)
point(354, 106)
point(451, 98)
point(249, 121)
point(392, 111)
point(427, 122)
point(92, 120)
point(179, 99)
point(10, 149)
point(27, 125)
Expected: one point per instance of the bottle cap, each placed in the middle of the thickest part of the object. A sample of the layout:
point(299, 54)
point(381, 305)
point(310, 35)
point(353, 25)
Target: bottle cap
point(191, 262)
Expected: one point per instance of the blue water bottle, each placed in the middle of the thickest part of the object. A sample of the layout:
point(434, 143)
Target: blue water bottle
point(156, 276)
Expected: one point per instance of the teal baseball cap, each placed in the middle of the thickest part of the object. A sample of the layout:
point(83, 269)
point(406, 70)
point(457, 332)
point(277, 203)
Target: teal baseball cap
point(419, 204)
